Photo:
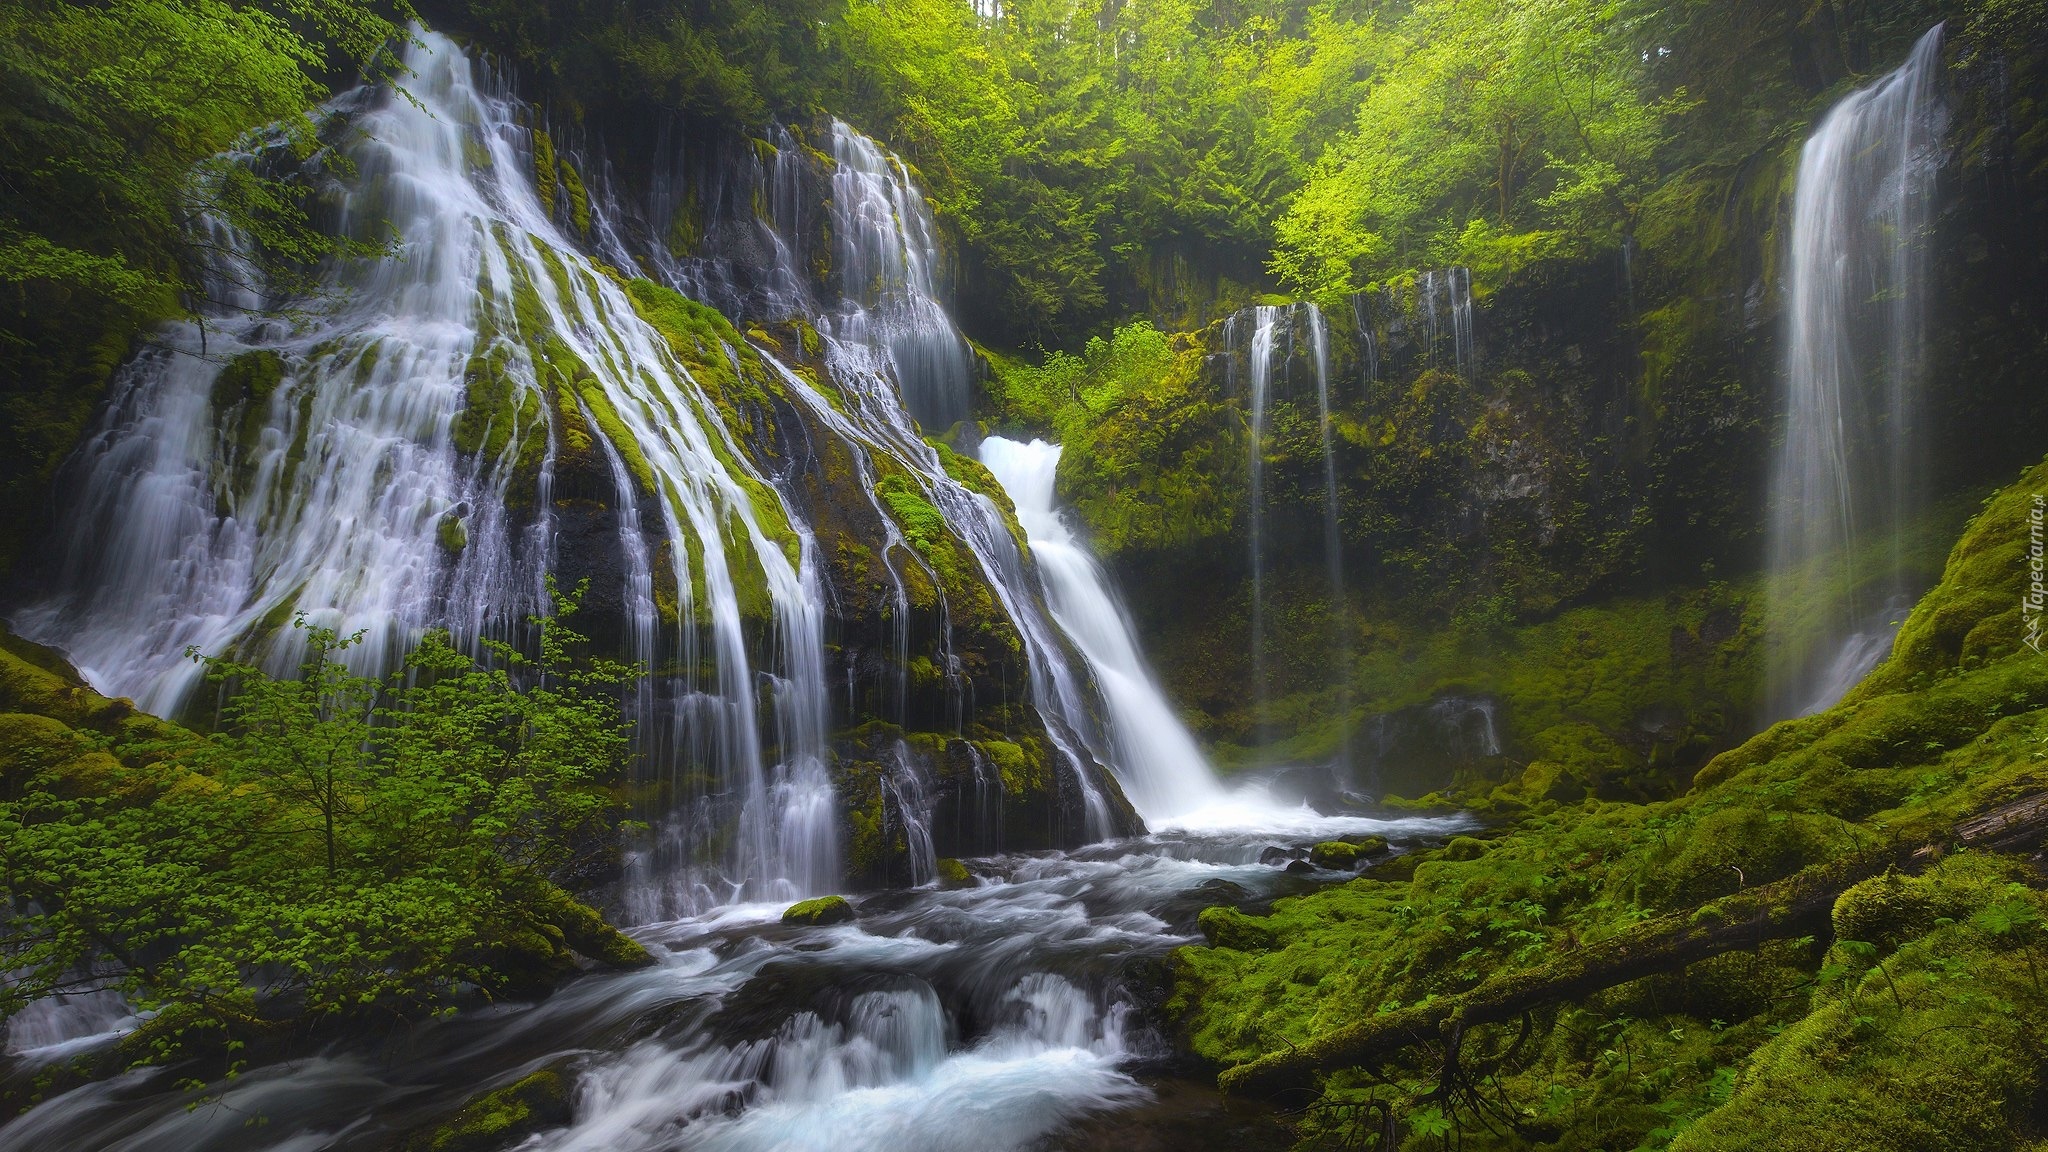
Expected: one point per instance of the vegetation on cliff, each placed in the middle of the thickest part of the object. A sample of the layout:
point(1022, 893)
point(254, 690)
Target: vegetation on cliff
point(1911, 1011)
point(338, 846)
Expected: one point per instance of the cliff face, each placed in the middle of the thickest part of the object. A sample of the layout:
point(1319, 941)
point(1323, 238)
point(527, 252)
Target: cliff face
point(1598, 434)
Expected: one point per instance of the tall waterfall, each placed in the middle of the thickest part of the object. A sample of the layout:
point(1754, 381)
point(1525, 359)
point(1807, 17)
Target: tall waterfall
point(378, 482)
point(482, 406)
point(1159, 764)
point(1849, 477)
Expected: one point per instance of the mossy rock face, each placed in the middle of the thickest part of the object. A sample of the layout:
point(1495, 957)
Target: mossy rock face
point(250, 377)
point(451, 534)
point(1886, 911)
point(821, 911)
point(503, 1116)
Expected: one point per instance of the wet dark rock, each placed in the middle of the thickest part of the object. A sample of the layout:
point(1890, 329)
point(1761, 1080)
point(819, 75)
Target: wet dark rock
point(1278, 856)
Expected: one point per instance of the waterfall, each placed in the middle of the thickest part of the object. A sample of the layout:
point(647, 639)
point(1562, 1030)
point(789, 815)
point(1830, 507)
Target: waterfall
point(383, 459)
point(1273, 345)
point(897, 367)
point(1443, 301)
point(1368, 339)
point(450, 423)
point(1849, 476)
point(1259, 371)
point(1161, 768)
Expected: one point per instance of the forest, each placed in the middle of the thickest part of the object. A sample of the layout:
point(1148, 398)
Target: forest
point(1011, 574)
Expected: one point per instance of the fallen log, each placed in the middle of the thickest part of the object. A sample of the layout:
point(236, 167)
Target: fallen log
point(1798, 905)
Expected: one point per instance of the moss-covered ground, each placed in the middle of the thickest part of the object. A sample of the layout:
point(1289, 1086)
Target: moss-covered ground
point(1917, 1021)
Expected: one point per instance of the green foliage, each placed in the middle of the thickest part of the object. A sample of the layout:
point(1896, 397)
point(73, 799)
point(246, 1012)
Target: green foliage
point(1136, 422)
point(487, 1122)
point(114, 118)
point(340, 845)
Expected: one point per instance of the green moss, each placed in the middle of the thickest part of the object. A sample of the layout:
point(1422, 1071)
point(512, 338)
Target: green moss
point(585, 930)
point(708, 346)
point(502, 1116)
point(924, 526)
point(823, 910)
point(1151, 456)
point(1022, 771)
point(1336, 854)
point(451, 534)
point(544, 168)
point(954, 874)
point(245, 385)
point(499, 409)
point(1909, 1046)
point(251, 376)
point(579, 199)
point(1229, 928)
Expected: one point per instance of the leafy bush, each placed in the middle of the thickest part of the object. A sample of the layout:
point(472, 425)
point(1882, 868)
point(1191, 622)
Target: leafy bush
point(340, 844)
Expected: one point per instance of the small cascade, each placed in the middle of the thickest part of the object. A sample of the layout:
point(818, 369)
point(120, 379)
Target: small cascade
point(888, 259)
point(1161, 768)
point(1849, 478)
point(1366, 328)
point(1269, 355)
point(909, 800)
point(1443, 302)
point(1259, 374)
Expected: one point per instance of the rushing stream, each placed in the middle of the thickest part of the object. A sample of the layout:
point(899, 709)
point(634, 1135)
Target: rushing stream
point(1013, 1013)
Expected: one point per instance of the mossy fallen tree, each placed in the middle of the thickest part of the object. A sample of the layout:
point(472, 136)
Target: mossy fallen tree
point(1798, 905)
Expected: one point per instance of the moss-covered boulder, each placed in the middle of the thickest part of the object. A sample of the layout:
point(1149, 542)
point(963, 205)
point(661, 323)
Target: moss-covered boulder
point(954, 874)
point(1463, 848)
point(1337, 854)
point(501, 1117)
point(821, 911)
point(1229, 928)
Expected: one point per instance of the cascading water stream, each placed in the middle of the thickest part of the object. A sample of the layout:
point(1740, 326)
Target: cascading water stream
point(1849, 477)
point(1259, 377)
point(1161, 768)
point(899, 367)
point(888, 258)
point(376, 483)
